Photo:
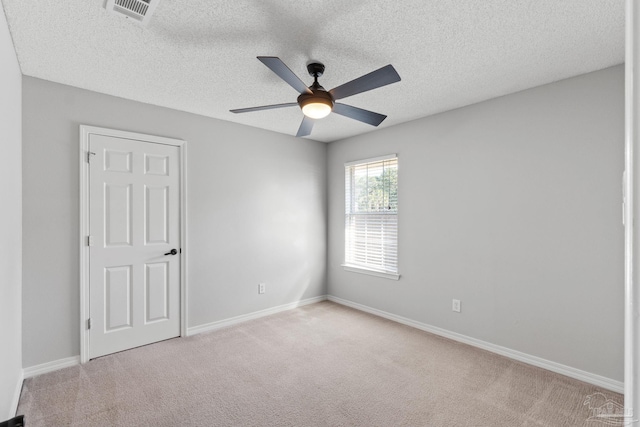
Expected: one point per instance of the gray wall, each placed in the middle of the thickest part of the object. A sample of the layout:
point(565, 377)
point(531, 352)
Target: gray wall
point(512, 206)
point(10, 222)
point(256, 201)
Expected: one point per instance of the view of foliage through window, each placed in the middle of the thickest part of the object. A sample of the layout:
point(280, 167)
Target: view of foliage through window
point(377, 188)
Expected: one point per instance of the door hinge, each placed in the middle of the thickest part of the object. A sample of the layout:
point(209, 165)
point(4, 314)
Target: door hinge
point(89, 240)
point(89, 323)
point(90, 155)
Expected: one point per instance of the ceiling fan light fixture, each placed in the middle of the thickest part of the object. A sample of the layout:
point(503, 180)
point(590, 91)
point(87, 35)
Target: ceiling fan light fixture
point(318, 109)
point(316, 106)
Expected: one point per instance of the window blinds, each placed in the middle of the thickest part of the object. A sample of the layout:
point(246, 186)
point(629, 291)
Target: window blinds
point(371, 214)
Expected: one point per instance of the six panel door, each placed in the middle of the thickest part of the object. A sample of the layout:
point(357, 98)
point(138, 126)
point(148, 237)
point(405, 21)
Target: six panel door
point(134, 215)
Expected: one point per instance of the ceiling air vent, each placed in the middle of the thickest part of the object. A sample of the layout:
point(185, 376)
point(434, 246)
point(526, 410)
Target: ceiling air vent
point(138, 10)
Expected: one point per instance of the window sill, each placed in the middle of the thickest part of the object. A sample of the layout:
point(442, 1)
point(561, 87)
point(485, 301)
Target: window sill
point(351, 268)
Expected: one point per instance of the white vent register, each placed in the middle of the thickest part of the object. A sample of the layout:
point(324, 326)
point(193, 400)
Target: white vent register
point(138, 10)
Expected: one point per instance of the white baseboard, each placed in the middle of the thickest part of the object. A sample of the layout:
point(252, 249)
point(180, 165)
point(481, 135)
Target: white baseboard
point(33, 371)
point(16, 396)
point(598, 380)
point(250, 316)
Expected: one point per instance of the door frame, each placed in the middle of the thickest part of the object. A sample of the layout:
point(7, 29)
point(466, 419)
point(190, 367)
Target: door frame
point(85, 132)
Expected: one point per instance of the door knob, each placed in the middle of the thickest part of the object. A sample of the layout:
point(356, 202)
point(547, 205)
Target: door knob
point(172, 252)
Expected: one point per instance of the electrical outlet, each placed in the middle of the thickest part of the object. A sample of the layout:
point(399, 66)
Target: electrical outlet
point(456, 305)
point(261, 288)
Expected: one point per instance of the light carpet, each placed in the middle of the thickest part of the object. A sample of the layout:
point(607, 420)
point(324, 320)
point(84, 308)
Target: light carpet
point(318, 365)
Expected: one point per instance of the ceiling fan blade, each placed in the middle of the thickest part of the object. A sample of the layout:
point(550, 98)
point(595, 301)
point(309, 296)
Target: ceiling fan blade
point(375, 79)
point(356, 113)
point(264, 107)
point(280, 68)
point(305, 127)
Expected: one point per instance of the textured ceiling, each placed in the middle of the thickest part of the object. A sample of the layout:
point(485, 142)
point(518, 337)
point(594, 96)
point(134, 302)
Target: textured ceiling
point(200, 55)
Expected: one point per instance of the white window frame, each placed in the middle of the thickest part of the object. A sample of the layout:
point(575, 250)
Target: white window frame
point(356, 268)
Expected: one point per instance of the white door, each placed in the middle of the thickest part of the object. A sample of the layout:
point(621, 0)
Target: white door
point(134, 220)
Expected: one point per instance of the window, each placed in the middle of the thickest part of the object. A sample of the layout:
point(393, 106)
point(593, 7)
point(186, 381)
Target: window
point(371, 216)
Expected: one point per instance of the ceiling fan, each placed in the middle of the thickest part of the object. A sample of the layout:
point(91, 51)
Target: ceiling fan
point(317, 103)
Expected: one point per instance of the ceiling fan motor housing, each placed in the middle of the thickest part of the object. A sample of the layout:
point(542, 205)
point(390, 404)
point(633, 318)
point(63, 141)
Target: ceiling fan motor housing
point(319, 96)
